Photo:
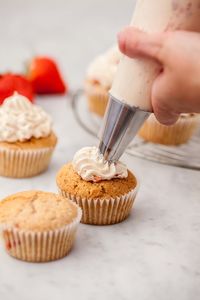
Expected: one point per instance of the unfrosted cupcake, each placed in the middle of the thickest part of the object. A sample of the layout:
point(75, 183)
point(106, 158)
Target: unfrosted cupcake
point(26, 138)
point(38, 226)
point(177, 134)
point(99, 79)
point(105, 192)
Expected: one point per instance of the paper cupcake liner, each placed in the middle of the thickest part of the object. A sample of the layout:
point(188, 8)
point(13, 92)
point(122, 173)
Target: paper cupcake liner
point(22, 163)
point(176, 134)
point(44, 246)
point(104, 211)
point(97, 99)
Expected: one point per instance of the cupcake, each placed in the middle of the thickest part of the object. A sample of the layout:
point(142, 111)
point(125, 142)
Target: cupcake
point(26, 138)
point(177, 134)
point(99, 79)
point(38, 226)
point(104, 191)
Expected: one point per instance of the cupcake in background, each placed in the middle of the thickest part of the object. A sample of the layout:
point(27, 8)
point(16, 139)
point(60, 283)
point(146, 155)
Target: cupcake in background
point(26, 138)
point(38, 226)
point(177, 134)
point(99, 78)
point(105, 192)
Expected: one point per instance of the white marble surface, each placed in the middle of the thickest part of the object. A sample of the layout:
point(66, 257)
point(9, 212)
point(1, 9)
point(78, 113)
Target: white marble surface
point(154, 255)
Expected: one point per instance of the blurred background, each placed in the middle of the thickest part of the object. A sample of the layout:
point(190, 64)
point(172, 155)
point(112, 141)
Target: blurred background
point(72, 31)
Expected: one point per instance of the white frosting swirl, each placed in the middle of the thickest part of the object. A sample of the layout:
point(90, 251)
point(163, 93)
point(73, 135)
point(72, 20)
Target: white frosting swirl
point(104, 67)
point(91, 166)
point(21, 120)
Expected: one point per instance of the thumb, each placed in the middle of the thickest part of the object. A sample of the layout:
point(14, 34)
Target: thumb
point(135, 43)
point(166, 117)
point(164, 114)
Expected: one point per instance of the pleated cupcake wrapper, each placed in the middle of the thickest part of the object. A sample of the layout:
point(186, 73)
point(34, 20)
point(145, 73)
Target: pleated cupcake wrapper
point(176, 134)
point(44, 246)
point(24, 162)
point(104, 211)
point(97, 100)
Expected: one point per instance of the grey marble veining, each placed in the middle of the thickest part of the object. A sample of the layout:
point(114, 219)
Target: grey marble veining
point(154, 255)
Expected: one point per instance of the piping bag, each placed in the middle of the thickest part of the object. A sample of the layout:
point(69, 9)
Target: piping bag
point(130, 95)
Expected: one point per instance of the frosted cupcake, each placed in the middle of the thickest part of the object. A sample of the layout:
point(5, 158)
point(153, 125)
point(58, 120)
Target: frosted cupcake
point(38, 226)
point(26, 138)
point(99, 79)
point(177, 134)
point(105, 192)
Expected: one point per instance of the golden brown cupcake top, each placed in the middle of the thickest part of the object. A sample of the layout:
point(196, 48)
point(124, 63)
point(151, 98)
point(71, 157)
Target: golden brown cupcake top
point(37, 211)
point(33, 143)
point(70, 182)
point(188, 115)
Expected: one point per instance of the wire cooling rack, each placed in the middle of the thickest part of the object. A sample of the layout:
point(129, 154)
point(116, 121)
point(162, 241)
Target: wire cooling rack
point(186, 156)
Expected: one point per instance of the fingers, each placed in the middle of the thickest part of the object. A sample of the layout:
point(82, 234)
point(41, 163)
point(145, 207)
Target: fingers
point(135, 43)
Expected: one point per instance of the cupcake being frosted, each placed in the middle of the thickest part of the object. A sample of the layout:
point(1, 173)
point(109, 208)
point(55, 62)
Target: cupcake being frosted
point(104, 191)
point(26, 138)
point(91, 166)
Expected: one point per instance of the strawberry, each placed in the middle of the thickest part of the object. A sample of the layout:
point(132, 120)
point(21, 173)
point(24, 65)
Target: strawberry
point(45, 77)
point(9, 83)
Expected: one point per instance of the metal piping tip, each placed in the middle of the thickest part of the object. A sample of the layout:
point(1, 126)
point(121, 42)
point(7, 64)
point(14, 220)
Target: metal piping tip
point(121, 124)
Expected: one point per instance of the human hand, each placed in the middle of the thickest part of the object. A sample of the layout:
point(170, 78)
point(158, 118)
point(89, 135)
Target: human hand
point(177, 88)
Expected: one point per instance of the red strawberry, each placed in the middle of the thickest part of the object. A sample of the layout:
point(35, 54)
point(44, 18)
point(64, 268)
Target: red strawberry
point(45, 77)
point(9, 83)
